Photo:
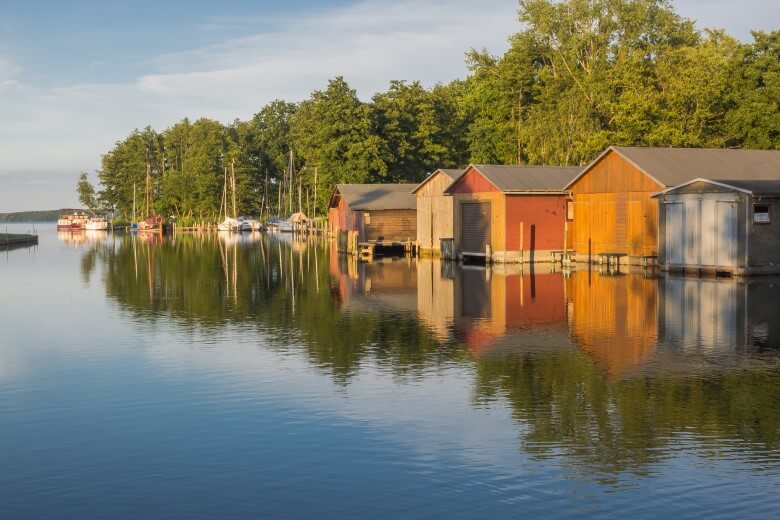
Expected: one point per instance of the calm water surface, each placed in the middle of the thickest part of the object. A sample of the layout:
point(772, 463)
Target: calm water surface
point(228, 377)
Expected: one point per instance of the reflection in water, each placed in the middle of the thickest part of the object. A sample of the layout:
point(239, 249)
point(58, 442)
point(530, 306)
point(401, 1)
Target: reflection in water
point(713, 316)
point(508, 308)
point(614, 318)
point(597, 369)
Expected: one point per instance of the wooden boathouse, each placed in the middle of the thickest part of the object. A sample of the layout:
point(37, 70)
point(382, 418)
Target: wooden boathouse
point(434, 210)
point(384, 213)
point(510, 214)
point(614, 212)
point(716, 227)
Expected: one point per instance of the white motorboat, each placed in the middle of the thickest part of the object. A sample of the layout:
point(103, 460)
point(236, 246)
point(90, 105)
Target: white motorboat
point(97, 224)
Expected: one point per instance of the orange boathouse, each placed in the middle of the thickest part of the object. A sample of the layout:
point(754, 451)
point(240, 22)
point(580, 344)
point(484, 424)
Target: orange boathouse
point(510, 214)
point(613, 206)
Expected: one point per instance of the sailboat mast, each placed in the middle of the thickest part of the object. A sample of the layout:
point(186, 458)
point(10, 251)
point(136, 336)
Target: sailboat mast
point(315, 193)
point(292, 172)
point(266, 198)
point(148, 188)
point(133, 202)
point(280, 201)
point(233, 183)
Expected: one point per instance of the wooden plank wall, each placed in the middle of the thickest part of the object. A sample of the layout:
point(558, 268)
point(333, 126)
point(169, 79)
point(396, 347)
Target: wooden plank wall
point(392, 224)
point(613, 209)
point(434, 212)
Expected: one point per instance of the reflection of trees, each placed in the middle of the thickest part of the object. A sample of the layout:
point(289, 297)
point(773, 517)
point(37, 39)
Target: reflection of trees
point(570, 405)
point(567, 404)
point(281, 288)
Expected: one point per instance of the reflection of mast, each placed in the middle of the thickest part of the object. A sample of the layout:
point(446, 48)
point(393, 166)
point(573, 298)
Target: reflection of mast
point(235, 274)
point(135, 257)
point(149, 273)
point(223, 256)
point(292, 281)
point(316, 267)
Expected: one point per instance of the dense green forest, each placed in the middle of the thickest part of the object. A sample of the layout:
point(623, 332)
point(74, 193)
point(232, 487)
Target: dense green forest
point(580, 76)
point(30, 216)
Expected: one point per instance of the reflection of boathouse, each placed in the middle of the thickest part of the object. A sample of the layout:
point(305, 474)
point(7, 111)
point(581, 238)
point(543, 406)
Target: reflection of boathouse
point(435, 297)
point(389, 285)
point(715, 315)
point(510, 308)
point(613, 318)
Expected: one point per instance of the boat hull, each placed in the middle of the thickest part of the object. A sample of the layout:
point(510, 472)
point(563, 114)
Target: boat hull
point(70, 227)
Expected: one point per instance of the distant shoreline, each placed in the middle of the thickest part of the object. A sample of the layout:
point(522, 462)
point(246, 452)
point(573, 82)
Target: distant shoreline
point(47, 215)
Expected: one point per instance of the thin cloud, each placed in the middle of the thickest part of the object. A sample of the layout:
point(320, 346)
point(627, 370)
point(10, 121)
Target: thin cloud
point(67, 128)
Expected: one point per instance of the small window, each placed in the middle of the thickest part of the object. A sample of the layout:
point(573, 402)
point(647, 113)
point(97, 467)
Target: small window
point(761, 214)
point(367, 218)
point(569, 210)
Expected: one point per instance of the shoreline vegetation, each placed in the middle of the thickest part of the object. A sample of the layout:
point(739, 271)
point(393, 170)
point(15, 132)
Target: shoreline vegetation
point(48, 215)
point(580, 76)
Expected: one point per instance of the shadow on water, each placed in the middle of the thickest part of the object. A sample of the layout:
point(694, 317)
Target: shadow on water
point(606, 372)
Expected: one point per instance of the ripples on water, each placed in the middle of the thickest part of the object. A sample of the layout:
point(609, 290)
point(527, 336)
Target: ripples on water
point(257, 376)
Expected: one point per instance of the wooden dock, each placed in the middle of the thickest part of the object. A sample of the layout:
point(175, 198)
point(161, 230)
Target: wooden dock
point(372, 248)
point(13, 240)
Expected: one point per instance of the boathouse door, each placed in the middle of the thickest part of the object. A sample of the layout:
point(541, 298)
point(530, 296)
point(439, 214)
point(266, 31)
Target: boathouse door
point(474, 227)
point(726, 237)
point(675, 233)
point(701, 232)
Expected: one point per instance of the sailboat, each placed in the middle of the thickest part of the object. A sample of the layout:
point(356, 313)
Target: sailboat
point(152, 223)
point(231, 223)
point(286, 226)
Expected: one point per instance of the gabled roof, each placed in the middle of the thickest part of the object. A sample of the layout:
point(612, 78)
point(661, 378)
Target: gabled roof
point(523, 179)
point(673, 166)
point(450, 173)
point(751, 187)
point(377, 196)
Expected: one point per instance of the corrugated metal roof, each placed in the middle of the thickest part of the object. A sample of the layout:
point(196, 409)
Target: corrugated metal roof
point(378, 196)
point(520, 179)
point(673, 166)
point(756, 188)
point(450, 173)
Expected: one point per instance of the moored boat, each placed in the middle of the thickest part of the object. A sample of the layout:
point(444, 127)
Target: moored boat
point(153, 224)
point(97, 224)
point(284, 226)
point(72, 220)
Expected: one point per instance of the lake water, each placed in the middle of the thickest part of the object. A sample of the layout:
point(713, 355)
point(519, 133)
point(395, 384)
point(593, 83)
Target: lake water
point(230, 377)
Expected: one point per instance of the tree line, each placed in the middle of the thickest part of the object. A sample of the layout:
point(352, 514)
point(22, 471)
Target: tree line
point(581, 75)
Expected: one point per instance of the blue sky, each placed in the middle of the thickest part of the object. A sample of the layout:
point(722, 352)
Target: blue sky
point(77, 76)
